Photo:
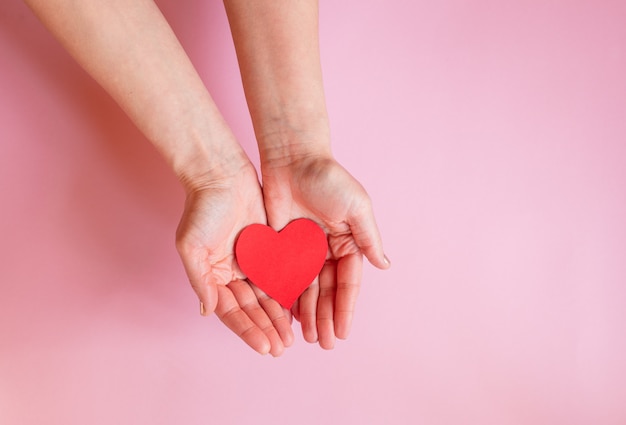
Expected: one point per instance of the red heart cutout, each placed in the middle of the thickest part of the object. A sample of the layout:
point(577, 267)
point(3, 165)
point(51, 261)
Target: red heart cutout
point(283, 264)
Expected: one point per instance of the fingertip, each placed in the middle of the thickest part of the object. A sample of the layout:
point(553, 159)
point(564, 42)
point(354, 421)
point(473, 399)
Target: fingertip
point(277, 350)
point(378, 260)
point(309, 333)
point(288, 339)
point(264, 348)
point(327, 343)
point(258, 341)
point(386, 261)
point(342, 329)
point(287, 335)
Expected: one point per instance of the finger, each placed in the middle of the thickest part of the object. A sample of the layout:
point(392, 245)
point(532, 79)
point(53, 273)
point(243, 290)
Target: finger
point(202, 281)
point(280, 317)
point(367, 236)
point(208, 296)
point(349, 272)
point(231, 314)
point(308, 311)
point(289, 316)
point(295, 309)
point(247, 300)
point(326, 306)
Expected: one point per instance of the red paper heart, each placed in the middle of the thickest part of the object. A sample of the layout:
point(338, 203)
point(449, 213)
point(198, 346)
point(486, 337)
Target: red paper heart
point(283, 264)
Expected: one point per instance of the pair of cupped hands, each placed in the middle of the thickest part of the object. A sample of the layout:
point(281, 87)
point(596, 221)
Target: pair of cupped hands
point(313, 186)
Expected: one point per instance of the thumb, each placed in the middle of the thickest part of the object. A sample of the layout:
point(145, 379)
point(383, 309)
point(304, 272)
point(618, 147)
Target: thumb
point(367, 237)
point(208, 299)
point(202, 281)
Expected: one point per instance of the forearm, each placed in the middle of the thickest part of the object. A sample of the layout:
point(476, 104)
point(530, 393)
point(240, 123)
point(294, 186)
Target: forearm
point(278, 51)
point(128, 47)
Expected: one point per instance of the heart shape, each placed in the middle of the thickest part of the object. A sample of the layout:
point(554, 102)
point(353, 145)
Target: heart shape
point(283, 264)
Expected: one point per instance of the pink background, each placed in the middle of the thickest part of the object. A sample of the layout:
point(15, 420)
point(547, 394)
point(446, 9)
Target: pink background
point(491, 136)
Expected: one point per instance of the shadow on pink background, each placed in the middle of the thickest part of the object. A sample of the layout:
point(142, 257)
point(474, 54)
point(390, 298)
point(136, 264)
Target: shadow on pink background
point(492, 139)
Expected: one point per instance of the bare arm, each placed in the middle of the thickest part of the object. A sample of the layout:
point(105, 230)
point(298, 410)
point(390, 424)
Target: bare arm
point(129, 48)
point(278, 51)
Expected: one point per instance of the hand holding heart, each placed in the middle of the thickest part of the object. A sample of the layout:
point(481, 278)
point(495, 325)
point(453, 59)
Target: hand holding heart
point(217, 213)
point(277, 45)
point(320, 189)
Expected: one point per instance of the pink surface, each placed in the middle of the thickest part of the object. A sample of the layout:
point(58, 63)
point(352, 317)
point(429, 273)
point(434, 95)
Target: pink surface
point(492, 138)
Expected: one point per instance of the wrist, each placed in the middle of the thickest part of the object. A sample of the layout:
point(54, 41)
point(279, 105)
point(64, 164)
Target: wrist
point(193, 138)
point(289, 144)
point(209, 159)
point(212, 169)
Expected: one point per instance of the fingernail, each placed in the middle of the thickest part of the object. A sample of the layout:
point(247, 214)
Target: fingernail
point(386, 260)
point(202, 309)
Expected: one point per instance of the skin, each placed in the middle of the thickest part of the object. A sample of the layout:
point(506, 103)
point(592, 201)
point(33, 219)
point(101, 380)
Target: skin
point(130, 50)
point(278, 51)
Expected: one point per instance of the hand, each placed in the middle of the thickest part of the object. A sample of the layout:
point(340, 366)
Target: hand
point(318, 188)
point(215, 212)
